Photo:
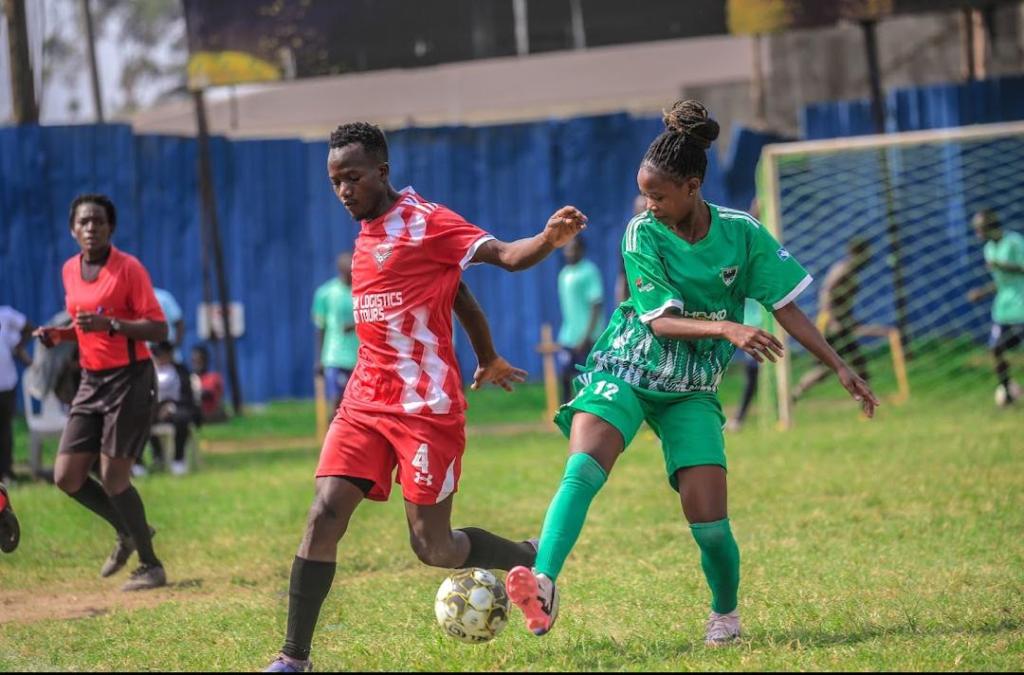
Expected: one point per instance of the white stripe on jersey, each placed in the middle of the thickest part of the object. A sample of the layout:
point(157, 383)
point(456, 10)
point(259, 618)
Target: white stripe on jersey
point(733, 214)
point(632, 232)
point(431, 364)
point(406, 368)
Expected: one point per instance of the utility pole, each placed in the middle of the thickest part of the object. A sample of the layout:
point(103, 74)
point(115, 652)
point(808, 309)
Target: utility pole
point(94, 71)
point(23, 90)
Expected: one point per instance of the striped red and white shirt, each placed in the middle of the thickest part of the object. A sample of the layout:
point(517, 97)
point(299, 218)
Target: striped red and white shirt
point(405, 274)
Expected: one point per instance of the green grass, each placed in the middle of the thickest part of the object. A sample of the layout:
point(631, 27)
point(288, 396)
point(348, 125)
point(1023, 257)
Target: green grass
point(886, 545)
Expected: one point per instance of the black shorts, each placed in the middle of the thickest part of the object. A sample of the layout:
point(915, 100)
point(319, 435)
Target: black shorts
point(1006, 336)
point(112, 411)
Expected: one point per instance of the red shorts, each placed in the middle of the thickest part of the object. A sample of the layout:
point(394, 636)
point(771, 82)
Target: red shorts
point(427, 449)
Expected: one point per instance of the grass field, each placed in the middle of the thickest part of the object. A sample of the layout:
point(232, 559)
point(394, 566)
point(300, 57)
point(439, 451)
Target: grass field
point(894, 544)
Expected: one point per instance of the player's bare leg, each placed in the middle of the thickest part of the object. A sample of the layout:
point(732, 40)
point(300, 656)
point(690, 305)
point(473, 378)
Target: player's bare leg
point(313, 569)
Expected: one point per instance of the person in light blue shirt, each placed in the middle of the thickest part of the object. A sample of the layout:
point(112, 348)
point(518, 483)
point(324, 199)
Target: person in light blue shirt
point(581, 296)
point(175, 320)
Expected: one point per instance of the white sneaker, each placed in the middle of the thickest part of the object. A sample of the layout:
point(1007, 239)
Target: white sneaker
point(722, 628)
point(536, 595)
point(179, 468)
point(139, 471)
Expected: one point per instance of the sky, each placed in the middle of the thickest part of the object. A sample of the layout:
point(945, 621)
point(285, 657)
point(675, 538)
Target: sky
point(55, 96)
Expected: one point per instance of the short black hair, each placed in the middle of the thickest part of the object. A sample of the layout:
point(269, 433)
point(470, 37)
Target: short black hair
point(202, 351)
point(99, 200)
point(369, 135)
point(679, 152)
point(986, 219)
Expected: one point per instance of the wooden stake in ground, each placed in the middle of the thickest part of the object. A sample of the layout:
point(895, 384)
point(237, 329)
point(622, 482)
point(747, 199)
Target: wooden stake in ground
point(548, 348)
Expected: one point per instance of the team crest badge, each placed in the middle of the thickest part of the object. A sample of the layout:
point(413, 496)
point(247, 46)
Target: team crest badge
point(783, 254)
point(382, 253)
point(729, 275)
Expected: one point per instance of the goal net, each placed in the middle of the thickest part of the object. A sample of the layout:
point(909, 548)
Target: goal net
point(897, 208)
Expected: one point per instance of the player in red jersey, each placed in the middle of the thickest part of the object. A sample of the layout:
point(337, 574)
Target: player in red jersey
point(404, 408)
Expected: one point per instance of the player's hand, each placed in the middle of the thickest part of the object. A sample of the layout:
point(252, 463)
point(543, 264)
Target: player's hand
point(500, 372)
point(859, 390)
point(92, 323)
point(760, 344)
point(318, 369)
point(50, 336)
point(974, 295)
point(563, 225)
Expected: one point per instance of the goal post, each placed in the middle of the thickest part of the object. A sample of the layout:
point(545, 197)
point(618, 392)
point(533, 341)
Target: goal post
point(907, 199)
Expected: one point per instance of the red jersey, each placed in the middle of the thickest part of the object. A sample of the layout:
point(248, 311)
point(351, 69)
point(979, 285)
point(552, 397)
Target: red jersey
point(121, 291)
point(405, 273)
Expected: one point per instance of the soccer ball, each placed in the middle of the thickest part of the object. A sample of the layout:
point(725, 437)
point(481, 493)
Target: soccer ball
point(1001, 397)
point(472, 605)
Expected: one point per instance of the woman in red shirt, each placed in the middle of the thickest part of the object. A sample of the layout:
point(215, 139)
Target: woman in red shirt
point(115, 312)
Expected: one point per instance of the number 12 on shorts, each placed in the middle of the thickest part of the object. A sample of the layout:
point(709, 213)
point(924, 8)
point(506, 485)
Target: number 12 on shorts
point(606, 389)
point(421, 462)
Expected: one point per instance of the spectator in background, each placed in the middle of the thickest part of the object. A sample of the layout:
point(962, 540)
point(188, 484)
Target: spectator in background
point(753, 316)
point(336, 343)
point(15, 332)
point(581, 296)
point(175, 320)
point(208, 387)
point(175, 405)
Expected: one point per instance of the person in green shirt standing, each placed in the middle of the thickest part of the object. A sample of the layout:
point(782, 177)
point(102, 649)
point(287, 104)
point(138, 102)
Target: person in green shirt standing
point(690, 267)
point(1004, 257)
point(336, 341)
point(581, 296)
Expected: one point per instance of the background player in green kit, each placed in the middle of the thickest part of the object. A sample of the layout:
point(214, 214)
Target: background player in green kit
point(689, 266)
point(1004, 257)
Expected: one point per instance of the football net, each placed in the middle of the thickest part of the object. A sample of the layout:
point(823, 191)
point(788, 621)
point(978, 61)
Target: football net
point(906, 200)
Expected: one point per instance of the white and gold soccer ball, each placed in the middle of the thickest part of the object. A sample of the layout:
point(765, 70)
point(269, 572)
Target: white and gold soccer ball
point(472, 605)
point(1001, 395)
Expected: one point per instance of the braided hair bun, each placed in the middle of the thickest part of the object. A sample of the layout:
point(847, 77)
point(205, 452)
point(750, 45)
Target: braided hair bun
point(690, 118)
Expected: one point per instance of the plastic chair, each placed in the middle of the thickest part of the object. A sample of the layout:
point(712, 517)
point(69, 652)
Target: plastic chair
point(48, 422)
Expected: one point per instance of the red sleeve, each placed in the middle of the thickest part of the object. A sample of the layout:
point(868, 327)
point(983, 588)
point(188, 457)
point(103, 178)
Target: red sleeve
point(451, 239)
point(141, 298)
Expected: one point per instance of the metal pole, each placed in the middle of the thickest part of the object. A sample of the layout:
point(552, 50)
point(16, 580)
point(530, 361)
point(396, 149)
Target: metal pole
point(757, 88)
point(579, 32)
point(23, 94)
point(893, 225)
point(519, 11)
point(213, 233)
point(94, 71)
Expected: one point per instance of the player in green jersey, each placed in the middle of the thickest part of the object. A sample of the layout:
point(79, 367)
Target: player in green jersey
point(1004, 257)
point(690, 266)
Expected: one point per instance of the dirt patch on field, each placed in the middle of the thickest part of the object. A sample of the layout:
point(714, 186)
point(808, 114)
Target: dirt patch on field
point(29, 606)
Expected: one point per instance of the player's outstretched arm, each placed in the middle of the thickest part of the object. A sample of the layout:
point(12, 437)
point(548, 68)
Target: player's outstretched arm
point(492, 367)
point(563, 225)
point(803, 331)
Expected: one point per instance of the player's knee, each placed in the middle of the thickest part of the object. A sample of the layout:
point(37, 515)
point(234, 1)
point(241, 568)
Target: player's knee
point(432, 550)
point(67, 481)
point(325, 523)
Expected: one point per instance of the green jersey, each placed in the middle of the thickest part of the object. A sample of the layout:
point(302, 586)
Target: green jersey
point(332, 313)
point(708, 280)
point(579, 289)
point(1008, 307)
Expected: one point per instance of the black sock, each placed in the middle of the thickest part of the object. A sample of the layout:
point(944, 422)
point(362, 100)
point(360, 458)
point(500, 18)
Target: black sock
point(129, 505)
point(492, 552)
point(92, 497)
point(310, 584)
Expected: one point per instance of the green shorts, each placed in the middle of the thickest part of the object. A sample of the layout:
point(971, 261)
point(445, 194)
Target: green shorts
point(689, 424)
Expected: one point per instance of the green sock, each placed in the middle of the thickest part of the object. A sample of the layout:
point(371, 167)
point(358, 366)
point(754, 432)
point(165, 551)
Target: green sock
point(563, 523)
point(720, 558)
